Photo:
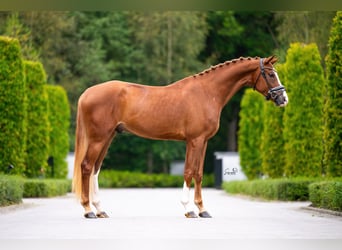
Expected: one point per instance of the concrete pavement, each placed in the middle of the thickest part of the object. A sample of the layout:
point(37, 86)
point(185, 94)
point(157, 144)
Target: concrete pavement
point(158, 214)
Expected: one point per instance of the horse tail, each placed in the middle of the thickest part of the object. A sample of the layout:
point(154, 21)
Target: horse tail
point(81, 146)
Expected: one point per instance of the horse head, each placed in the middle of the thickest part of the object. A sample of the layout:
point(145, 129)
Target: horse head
point(269, 84)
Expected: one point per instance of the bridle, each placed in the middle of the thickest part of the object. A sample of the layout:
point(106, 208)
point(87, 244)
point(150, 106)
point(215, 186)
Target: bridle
point(272, 93)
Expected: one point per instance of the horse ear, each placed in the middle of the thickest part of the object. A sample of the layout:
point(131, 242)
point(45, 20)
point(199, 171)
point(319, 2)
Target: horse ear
point(272, 59)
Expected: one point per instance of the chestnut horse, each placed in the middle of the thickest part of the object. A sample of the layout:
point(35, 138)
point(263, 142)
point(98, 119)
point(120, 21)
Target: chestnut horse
point(187, 110)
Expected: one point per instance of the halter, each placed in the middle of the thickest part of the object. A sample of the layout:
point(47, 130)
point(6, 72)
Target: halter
point(272, 92)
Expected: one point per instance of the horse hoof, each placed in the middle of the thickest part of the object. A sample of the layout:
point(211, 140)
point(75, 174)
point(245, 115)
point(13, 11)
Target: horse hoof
point(102, 215)
point(90, 215)
point(204, 214)
point(191, 215)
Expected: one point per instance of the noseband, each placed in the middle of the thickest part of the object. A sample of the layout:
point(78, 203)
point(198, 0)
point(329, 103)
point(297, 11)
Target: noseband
point(272, 92)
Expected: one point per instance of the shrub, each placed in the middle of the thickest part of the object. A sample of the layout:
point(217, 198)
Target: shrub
point(250, 131)
point(273, 189)
point(59, 120)
point(46, 187)
point(272, 141)
point(11, 190)
point(303, 123)
point(37, 120)
point(326, 194)
point(333, 105)
point(12, 106)
point(121, 179)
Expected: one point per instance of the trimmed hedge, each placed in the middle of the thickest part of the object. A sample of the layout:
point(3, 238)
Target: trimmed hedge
point(14, 188)
point(59, 119)
point(37, 120)
point(272, 140)
point(11, 190)
point(326, 194)
point(123, 179)
point(333, 105)
point(303, 117)
point(46, 187)
point(250, 131)
point(273, 189)
point(12, 106)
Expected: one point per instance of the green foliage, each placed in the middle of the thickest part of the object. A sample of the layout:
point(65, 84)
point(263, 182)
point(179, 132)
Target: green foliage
point(272, 142)
point(303, 123)
point(272, 189)
point(12, 106)
point(326, 194)
point(38, 127)
point(305, 27)
point(11, 190)
point(15, 29)
point(333, 104)
point(120, 179)
point(59, 120)
point(251, 127)
point(46, 187)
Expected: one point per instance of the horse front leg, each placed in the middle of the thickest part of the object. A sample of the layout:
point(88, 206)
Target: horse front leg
point(195, 152)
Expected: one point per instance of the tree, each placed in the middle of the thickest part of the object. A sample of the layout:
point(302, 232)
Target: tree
point(12, 106)
point(38, 127)
point(59, 120)
point(305, 27)
point(303, 123)
point(14, 28)
point(167, 45)
point(251, 127)
point(333, 104)
point(272, 141)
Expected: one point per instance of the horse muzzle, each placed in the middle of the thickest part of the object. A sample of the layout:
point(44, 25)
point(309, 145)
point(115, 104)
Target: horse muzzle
point(278, 95)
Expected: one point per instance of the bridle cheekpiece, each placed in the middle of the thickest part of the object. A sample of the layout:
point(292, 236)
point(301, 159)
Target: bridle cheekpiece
point(272, 93)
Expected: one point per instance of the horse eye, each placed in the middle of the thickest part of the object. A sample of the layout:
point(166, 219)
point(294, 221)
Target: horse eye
point(272, 75)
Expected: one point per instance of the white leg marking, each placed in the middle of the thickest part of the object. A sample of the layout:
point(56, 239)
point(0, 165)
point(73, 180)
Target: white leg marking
point(186, 198)
point(96, 195)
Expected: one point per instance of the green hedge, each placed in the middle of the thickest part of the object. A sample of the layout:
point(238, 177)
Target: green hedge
point(11, 190)
point(272, 189)
point(37, 120)
point(12, 106)
point(122, 179)
point(250, 131)
point(272, 141)
point(46, 187)
point(303, 117)
point(14, 188)
point(326, 194)
point(59, 120)
point(333, 105)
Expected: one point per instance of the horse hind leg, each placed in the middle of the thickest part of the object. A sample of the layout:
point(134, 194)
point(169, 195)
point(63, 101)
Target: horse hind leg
point(100, 213)
point(88, 172)
point(95, 192)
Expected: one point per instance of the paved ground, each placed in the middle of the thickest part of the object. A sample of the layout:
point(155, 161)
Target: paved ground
point(158, 214)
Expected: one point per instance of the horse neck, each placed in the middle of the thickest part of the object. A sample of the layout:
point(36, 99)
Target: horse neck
point(222, 82)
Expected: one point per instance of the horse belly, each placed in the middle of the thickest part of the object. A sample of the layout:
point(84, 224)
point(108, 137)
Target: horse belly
point(156, 124)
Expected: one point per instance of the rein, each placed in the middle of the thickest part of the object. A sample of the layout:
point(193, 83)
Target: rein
point(271, 91)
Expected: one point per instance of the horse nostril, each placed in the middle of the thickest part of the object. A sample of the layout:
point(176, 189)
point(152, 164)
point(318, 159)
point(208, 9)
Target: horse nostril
point(280, 100)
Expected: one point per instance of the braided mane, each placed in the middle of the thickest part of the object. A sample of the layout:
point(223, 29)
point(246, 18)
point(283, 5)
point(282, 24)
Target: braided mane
point(226, 63)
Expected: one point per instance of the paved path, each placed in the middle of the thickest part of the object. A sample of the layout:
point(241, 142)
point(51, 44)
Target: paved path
point(158, 214)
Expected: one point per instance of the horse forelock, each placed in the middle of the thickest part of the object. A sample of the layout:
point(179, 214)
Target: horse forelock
point(225, 64)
